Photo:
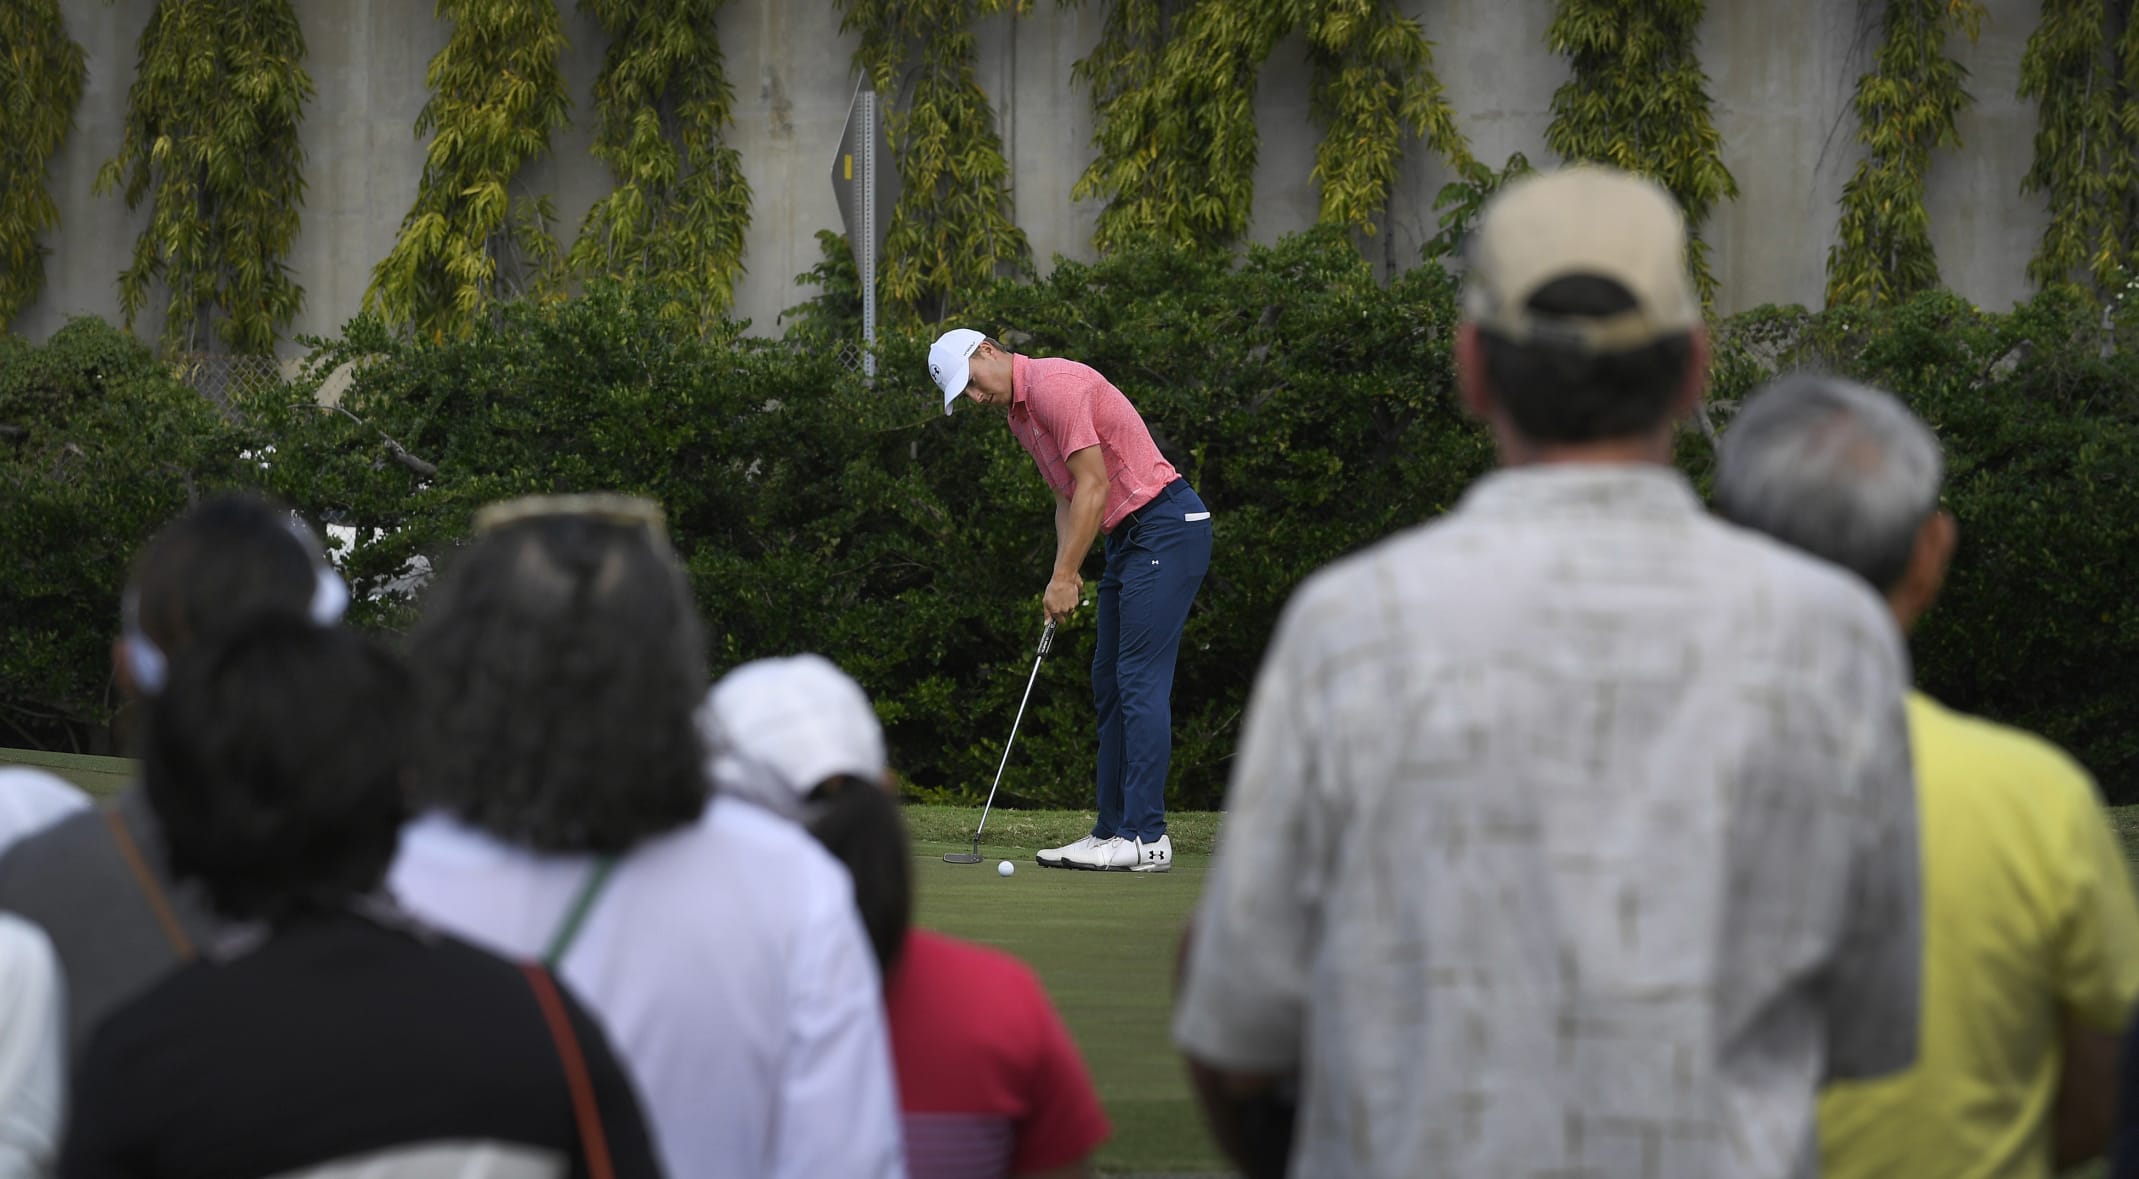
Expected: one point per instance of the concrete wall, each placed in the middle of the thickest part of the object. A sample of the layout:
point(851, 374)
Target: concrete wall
point(1782, 77)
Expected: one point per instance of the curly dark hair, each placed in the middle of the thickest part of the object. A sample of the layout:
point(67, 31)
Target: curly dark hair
point(275, 762)
point(557, 665)
point(232, 557)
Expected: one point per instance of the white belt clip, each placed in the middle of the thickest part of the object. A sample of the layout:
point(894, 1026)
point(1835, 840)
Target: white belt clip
point(1197, 516)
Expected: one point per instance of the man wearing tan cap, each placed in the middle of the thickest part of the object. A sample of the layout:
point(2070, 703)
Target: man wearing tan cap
point(1571, 833)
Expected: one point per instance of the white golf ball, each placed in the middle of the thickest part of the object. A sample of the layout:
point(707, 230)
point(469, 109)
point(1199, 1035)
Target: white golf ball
point(1005, 868)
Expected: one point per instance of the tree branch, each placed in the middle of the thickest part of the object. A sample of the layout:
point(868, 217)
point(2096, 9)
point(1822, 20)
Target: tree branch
point(395, 450)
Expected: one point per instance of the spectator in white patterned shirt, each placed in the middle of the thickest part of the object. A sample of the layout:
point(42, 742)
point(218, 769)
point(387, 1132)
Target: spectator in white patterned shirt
point(1573, 833)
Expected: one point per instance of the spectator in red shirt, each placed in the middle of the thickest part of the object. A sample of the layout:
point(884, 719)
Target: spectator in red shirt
point(1097, 456)
point(990, 1083)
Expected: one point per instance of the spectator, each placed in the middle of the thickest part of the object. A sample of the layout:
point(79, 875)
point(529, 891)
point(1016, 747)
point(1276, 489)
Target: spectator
point(1571, 833)
point(326, 1028)
point(567, 817)
point(33, 1027)
point(2031, 932)
point(989, 1080)
point(96, 881)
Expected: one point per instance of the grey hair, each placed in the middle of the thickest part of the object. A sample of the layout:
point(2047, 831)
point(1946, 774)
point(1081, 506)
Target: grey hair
point(1838, 469)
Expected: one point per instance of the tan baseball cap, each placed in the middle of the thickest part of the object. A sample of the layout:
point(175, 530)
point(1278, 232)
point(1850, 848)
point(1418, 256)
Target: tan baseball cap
point(1585, 220)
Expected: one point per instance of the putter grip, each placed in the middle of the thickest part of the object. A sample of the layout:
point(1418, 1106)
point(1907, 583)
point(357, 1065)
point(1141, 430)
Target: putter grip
point(1047, 638)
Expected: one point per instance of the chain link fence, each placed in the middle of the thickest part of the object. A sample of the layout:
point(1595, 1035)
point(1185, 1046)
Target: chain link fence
point(225, 377)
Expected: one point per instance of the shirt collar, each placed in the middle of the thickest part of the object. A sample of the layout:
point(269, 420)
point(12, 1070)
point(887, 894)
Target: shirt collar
point(1020, 379)
point(1582, 489)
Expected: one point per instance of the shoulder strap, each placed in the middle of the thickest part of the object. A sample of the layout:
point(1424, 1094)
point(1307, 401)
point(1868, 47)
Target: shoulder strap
point(159, 902)
point(576, 915)
point(585, 1110)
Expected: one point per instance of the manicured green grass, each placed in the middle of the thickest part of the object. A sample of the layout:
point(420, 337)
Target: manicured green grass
point(1102, 942)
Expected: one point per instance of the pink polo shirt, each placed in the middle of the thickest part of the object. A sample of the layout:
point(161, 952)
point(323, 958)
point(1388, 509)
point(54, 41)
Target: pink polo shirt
point(1059, 407)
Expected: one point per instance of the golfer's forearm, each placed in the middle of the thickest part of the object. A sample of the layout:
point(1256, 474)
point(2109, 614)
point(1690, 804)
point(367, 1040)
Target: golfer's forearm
point(1077, 525)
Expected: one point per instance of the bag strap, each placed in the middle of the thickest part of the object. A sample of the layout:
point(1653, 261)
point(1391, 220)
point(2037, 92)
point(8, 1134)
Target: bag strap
point(159, 903)
point(576, 914)
point(585, 1110)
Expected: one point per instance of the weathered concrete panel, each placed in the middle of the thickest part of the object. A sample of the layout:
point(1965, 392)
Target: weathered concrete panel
point(1782, 79)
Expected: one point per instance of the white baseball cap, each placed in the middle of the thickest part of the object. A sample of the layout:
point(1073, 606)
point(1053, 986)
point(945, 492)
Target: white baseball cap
point(776, 729)
point(948, 362)
point(1583, 220)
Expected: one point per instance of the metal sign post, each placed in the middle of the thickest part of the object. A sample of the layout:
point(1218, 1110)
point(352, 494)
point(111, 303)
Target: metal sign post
point(867, 189)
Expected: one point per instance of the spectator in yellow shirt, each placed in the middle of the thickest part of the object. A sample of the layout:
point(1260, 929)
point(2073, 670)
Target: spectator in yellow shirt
point(2031, 933)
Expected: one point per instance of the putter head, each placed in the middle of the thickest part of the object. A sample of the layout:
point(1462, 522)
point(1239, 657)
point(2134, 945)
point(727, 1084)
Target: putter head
point(972, 857)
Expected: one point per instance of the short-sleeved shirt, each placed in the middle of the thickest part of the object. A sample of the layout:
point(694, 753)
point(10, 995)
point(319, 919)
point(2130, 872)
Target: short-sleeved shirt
point(339, 1038)
point(989, 1080)
point(1570, 834)
point(2028, 915)
point(728, 963)
point(1060, 407)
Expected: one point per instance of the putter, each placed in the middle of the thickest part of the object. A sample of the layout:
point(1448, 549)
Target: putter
point(1047, 639)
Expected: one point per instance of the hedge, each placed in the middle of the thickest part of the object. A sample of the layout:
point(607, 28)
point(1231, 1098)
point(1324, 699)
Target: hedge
point(1310, 402)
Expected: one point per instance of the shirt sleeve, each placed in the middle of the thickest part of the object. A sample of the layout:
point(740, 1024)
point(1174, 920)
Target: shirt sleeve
point(631, 1148)
point(837, 1072)
point(1065, 1122)
point(1243, 1003)
point(2096, 953)
point(1875, 987)
point(1063, 408)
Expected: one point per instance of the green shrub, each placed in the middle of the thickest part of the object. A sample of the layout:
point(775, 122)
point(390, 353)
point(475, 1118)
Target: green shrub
point(98, 447)
point(2038, 411)
point(1310, 404)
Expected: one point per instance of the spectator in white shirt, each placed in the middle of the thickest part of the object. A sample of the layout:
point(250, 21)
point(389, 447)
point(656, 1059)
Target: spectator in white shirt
point(1572, 833)
point(558, 666)
point(32, 994)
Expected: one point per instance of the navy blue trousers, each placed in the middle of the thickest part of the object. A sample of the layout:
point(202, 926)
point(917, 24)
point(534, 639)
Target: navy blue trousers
point(1156, 559)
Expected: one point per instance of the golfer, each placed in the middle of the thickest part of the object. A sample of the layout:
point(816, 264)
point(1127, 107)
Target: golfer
point(1108, 476)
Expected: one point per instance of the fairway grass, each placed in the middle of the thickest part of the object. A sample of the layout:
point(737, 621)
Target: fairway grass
point(1103, 943)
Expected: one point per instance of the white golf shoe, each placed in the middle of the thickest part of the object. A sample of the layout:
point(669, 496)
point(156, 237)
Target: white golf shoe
point(1051, 857)
point(1154, 857)
point(1104, 855)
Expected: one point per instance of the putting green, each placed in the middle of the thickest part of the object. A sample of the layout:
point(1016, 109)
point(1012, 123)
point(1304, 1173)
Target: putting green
point(1103, 943)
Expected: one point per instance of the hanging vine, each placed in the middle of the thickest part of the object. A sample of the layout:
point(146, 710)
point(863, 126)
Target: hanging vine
point(496, 94)
point(211, 143)
point(1173, 85)
point(1907, 107)
point(1173, 88)
point(41, 76)
point(1374, 80)
point(1639, 101)
point(681, 205)
point(2087, 139)
point(952, 229)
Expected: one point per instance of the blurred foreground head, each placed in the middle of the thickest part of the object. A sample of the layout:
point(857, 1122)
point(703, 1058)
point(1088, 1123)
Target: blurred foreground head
point(798, 736)
point(1846, 473)
point(276, 762)
point(230, 559)
point(1581, 326)
point(558, 663)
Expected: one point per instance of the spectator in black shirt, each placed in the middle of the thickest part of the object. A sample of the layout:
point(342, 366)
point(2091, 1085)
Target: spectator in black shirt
point(326, 1028)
